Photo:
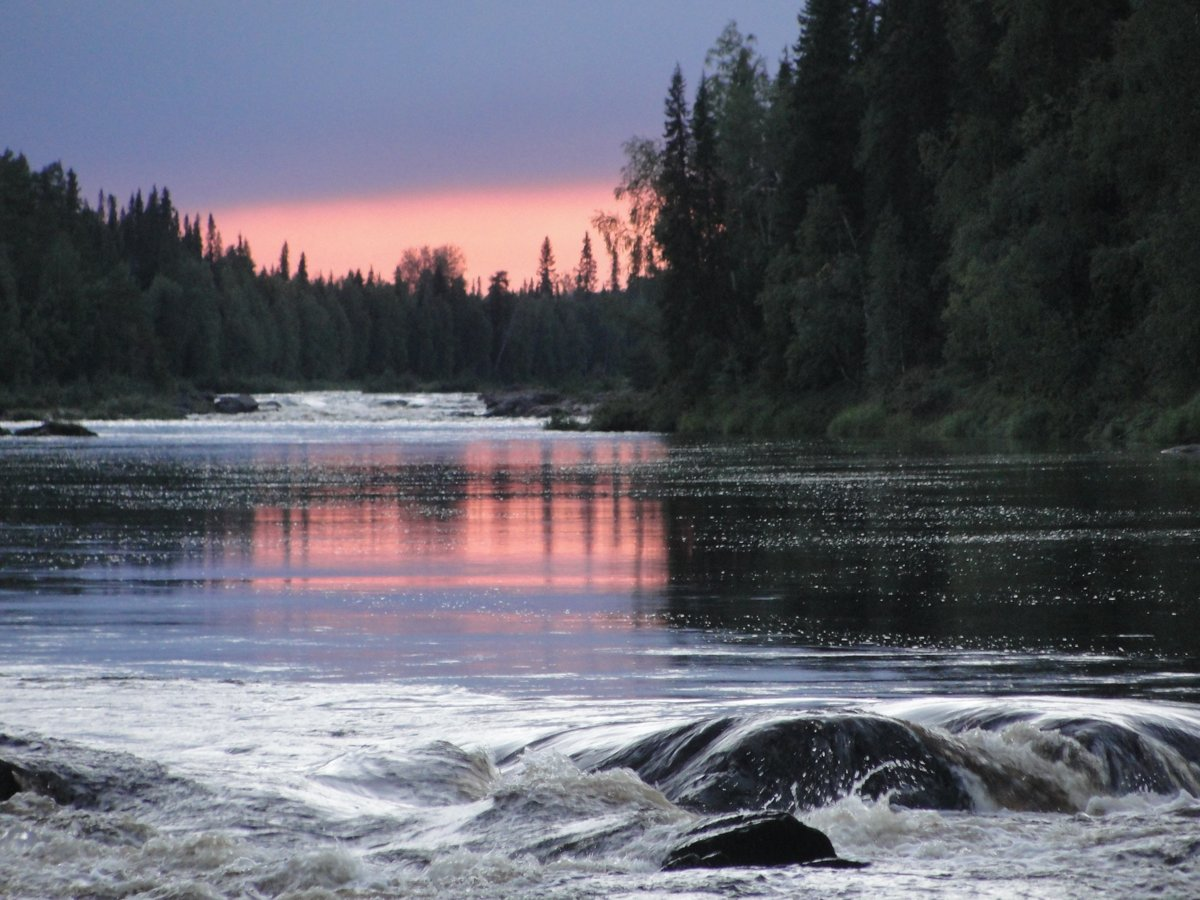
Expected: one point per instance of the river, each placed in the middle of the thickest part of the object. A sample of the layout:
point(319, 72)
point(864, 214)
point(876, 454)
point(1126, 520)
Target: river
point(381, 645)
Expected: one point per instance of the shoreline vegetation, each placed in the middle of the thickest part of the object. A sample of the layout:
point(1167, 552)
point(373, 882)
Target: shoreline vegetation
point(927, 222)
point(970, 420)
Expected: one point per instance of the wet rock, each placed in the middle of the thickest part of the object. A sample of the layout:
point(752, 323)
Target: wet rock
point(724, 765)
point(535, 405)
point(753, 839)
point(660, 757)
point(233, 404)
point(76, 776)
point(1130, 761)
point(52, 428)
point(522, 404)
point(15, 778)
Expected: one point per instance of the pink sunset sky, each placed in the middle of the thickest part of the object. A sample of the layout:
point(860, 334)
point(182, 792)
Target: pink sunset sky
point(498, 228)
point(354, 131)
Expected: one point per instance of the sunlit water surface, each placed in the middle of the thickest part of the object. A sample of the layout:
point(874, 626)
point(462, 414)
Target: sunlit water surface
point(380, 645)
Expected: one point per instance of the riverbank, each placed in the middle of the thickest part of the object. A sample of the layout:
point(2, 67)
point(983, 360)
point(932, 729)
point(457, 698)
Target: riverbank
point(916, 410)
point(562, 409)
point(919, 411)
point(119, 398)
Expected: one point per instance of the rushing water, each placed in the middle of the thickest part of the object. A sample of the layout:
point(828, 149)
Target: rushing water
point(364, 646)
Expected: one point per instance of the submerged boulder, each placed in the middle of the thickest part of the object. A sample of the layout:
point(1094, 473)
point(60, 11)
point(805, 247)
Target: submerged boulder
point(535, 405)
point(73, 775)
point(52, 428)
point(16, 778)
point(753, 839)
point(797, 762)
point(522, 404)
point(232, 404)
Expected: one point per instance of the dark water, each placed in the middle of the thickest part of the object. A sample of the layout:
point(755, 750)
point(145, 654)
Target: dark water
point(422, 654)
point(515, 553)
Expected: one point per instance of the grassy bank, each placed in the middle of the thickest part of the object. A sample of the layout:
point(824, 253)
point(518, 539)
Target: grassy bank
point(924, 411)
point(116, 399)
point(917, 409)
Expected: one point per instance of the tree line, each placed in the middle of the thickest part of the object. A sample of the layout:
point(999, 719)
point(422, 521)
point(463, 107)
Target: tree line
point(134, 294)
point(939, 205)
point(982, 214)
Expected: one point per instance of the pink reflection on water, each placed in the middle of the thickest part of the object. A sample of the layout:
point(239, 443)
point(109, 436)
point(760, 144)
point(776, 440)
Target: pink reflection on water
point(521, 517)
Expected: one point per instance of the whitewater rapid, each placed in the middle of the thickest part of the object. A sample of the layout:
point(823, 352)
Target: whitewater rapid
point(368, 646)
point(239, 787)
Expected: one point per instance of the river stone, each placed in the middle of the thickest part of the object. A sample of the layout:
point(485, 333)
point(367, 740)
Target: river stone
point(52, 428)
point(15, 778)
point(752, 839)
point(522, 404)
point(235, 403)
point(728, 764)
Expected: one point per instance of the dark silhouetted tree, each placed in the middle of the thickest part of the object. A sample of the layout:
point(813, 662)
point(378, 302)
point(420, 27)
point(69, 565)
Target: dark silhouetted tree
point(585, 273)
point(545, 269)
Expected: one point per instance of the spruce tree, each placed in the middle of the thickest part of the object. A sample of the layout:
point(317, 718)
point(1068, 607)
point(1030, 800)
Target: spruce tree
point(824, 107)
point(675, 233)
point(213, 249)
point(907, 83)
point(585, 274)
point(546, 269)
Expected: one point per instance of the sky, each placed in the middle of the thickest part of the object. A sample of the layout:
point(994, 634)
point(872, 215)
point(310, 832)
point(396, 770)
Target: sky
point(354, 129)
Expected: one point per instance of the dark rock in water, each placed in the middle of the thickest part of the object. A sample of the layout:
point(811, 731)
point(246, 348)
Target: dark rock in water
point(15, 778)
point(232, 404)
point(522, 404)
point(535, 405)
point(52, 769)
point(4, 432)
point(660, 757)
point(76, 776)
point(752, 839)
point(52, 428)
point(1155, 762)
point(723, 765)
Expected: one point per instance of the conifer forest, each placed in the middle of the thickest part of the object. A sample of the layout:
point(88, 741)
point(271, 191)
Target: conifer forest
point(959, 218)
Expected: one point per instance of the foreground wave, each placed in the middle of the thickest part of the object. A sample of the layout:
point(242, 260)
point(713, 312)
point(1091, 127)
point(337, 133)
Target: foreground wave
point(978, 759)
point(594, 808)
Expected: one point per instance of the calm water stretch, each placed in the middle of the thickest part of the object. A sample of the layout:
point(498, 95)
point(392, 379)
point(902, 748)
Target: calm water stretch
point(374, 646)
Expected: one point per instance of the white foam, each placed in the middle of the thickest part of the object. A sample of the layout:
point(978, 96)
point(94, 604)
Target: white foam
point(552, 774)
point(325, 869)
point(273, 738)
